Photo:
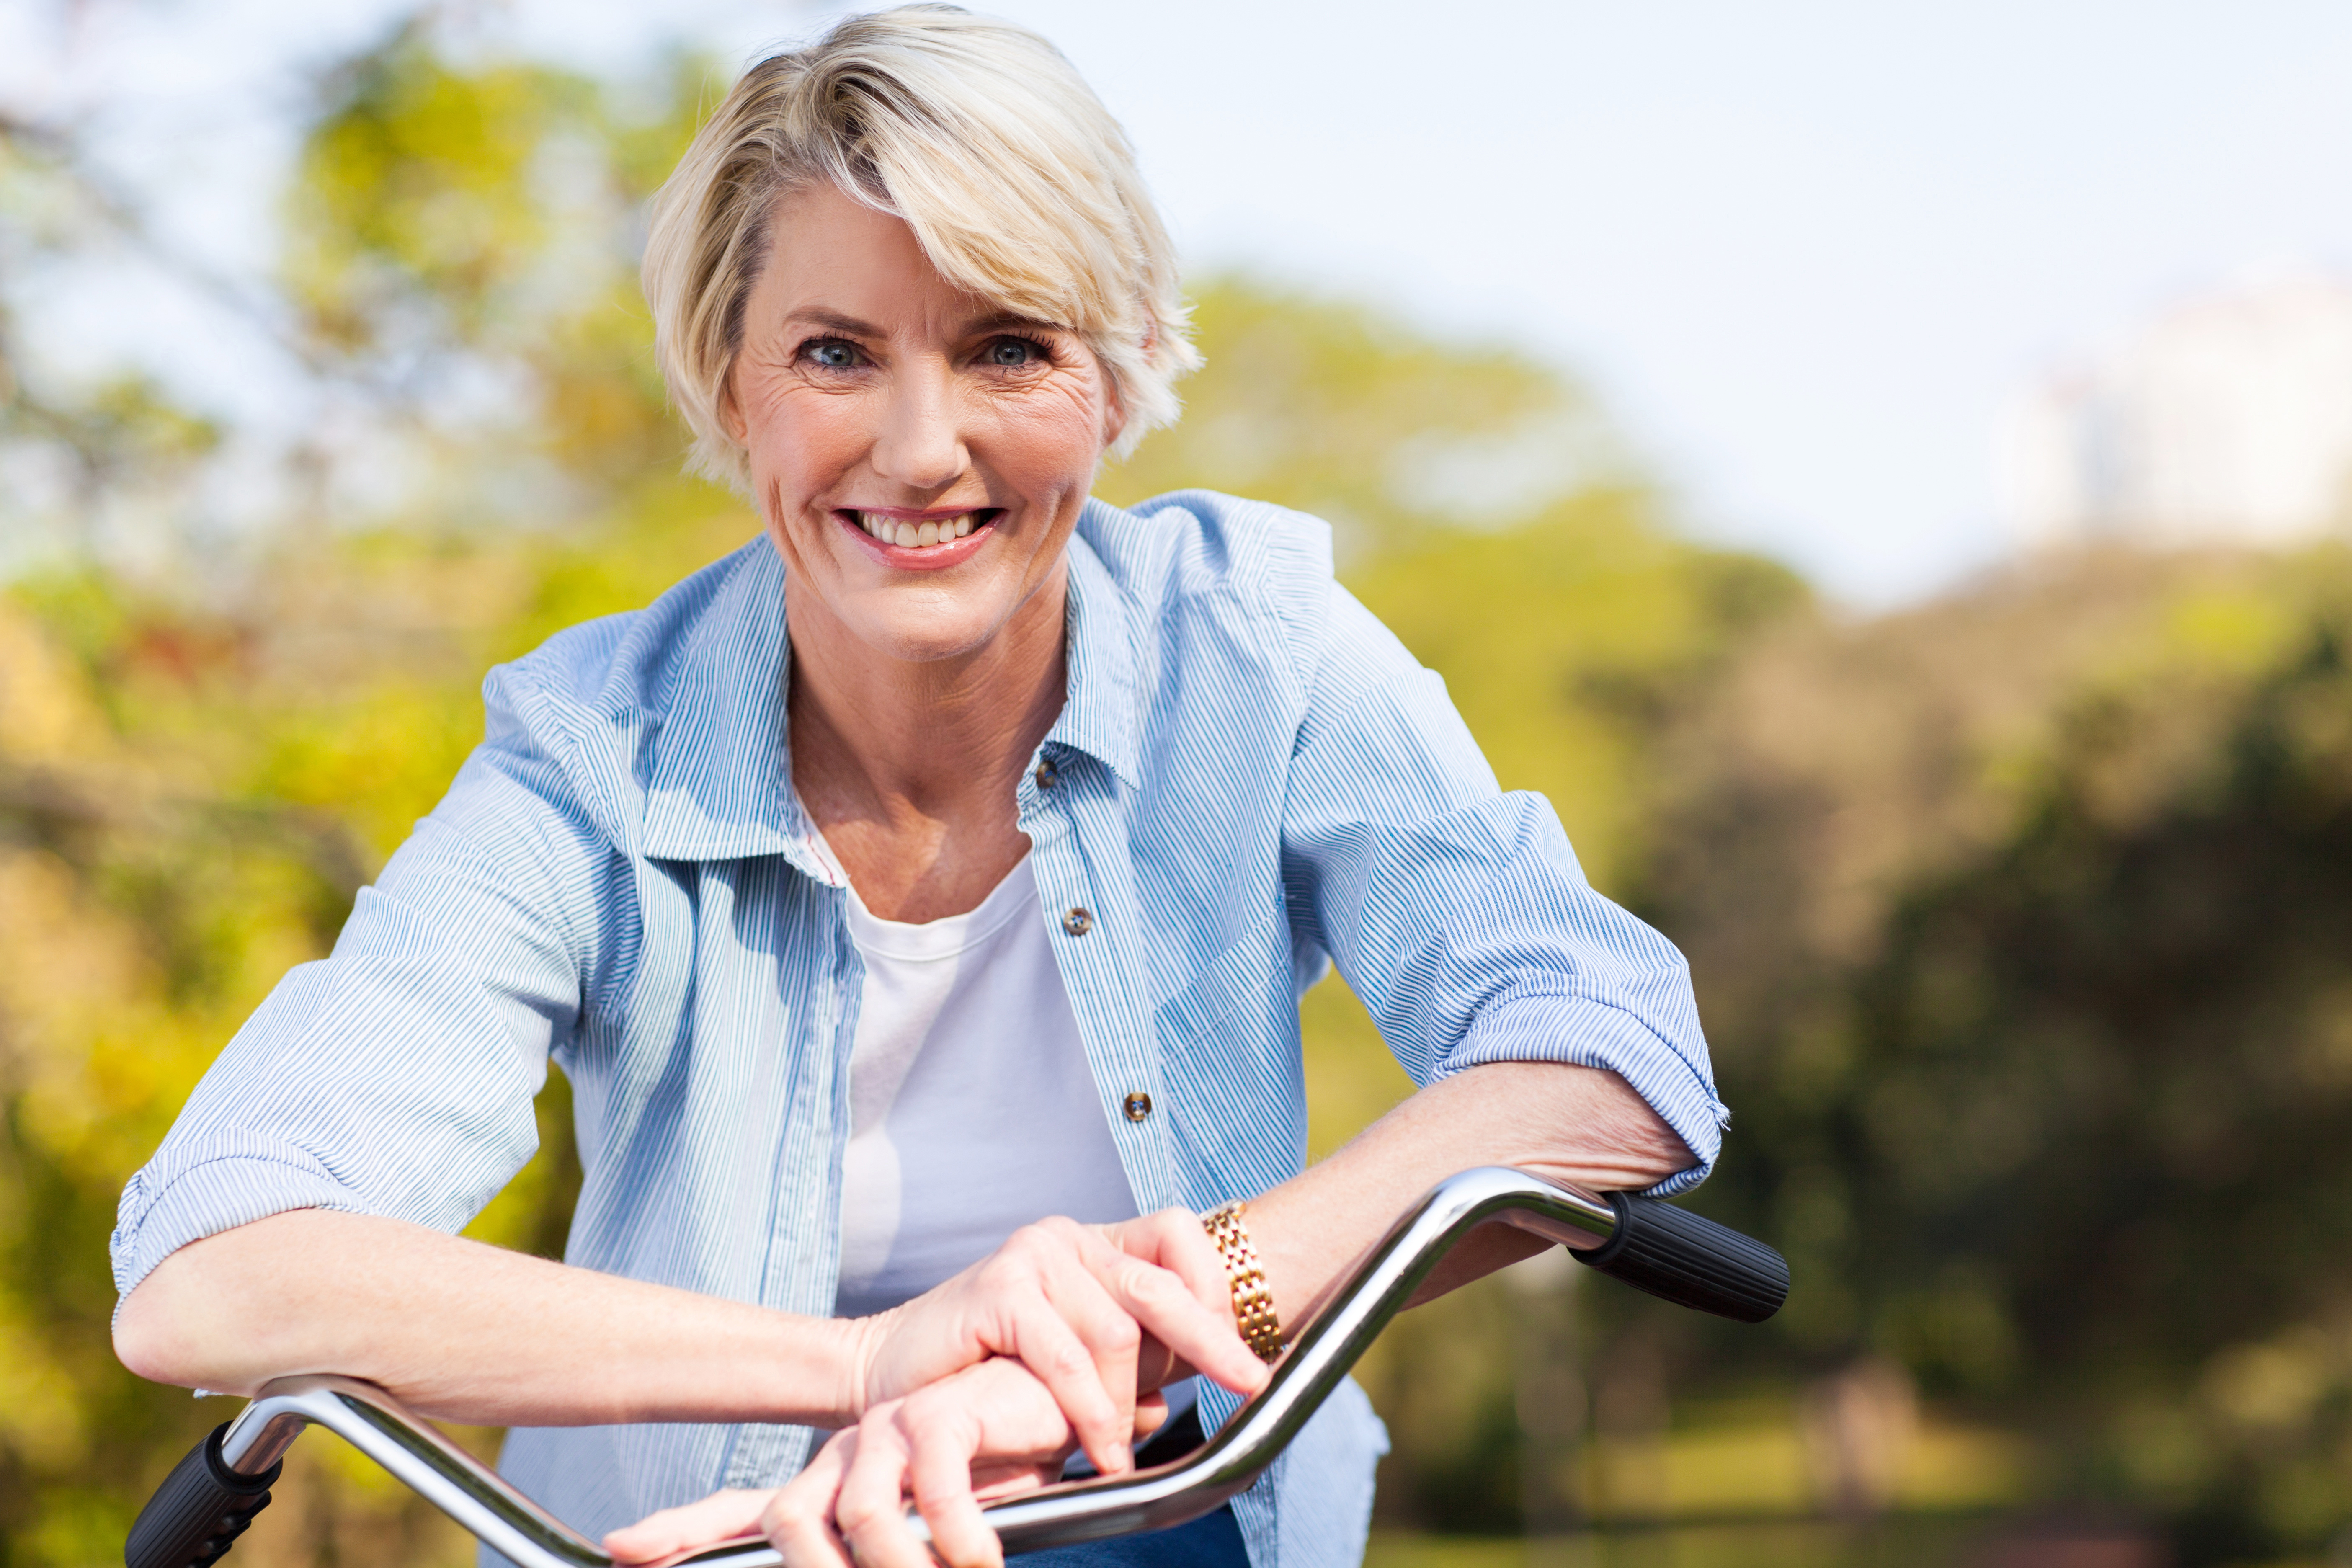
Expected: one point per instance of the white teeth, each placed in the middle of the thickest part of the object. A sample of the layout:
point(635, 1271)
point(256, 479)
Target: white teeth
point(916, 536)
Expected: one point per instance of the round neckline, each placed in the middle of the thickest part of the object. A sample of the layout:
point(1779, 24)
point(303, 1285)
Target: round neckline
point(927, 940)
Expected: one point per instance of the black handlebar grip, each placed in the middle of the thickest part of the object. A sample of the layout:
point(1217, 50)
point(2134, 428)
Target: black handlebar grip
point(199, 1511)
point(1689, 1260)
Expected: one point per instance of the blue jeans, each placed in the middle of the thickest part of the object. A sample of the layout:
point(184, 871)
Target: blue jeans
point(1212, 1541)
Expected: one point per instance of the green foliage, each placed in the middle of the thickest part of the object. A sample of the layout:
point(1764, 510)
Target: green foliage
point(1338, 411)
point(195, 775)
point(2133, 1026)
point(1565, 642)
point(2052, 1108)
point(421, 192)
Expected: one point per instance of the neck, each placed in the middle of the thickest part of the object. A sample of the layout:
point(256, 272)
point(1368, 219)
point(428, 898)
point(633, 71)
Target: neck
point(910, 769)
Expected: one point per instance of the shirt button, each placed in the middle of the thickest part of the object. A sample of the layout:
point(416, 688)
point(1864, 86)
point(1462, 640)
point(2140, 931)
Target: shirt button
point(1045, 775)
point(1137, 1105)
point(1077, 922)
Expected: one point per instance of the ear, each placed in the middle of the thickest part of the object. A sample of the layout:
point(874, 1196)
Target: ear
point(1114, 405)
point(730, 412)
point(1118, 421)
point(1114, 411)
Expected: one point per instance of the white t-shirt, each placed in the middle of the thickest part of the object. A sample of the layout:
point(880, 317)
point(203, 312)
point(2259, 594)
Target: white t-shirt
point(972, 1108)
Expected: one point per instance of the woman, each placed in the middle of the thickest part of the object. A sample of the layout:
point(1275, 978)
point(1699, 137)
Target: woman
point(918, 902)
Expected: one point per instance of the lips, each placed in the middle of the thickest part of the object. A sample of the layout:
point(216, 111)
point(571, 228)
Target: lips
point(911, 534)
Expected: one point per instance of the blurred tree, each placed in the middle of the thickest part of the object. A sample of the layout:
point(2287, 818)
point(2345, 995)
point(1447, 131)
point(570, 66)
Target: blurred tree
point(2131, 1024)
point(1383, 431)
point(74, 449)
point(198, 769)
point(2020, 920)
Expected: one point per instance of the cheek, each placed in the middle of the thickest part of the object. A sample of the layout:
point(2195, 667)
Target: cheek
point(801, 441)
point(1054, 435)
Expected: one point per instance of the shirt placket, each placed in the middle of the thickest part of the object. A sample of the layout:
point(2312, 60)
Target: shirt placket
point(1069, 808)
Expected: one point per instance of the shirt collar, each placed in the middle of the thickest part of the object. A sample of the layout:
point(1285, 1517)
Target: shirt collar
point(721, 776)
point(1103, 713)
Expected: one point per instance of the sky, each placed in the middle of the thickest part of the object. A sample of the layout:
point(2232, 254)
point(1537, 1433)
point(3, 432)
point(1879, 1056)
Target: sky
point(1803, 252)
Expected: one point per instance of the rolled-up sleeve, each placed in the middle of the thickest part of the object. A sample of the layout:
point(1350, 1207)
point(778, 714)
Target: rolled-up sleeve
point(1458, 913)
point(396, 1077)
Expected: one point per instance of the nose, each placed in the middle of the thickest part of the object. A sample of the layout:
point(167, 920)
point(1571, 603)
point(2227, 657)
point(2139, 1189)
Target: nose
point(921, 444)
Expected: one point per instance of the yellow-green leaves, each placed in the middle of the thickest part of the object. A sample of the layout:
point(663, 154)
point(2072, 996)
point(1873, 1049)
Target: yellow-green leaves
point(420, 189)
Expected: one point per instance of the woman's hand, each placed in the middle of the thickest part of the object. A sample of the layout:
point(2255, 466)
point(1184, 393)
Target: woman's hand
point(990, 1431)
point(981, 1388)
point(1096, 1313)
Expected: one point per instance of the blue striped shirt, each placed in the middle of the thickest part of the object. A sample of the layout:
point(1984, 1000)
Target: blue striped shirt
point(1251, 779)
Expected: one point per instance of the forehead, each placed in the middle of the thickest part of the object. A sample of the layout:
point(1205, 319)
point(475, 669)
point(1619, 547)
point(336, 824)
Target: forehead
point(829, 253)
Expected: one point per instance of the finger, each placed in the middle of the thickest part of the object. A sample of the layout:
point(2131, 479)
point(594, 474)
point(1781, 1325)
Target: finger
point(719, 1517)
point(1068, 1331)
point(798, 1521)
point(1173, 1239)
point(1044, 1341)
point(870, 1509)
point(1151, 1414)
point(940, 1474)
point(1074, 1287)
point(1157, 1366)
point(993, 1424)
point(1162, 1301)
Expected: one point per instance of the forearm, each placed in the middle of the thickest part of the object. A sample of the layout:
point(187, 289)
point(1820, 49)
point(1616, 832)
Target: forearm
point(1582, 1127)
point(473, 1333)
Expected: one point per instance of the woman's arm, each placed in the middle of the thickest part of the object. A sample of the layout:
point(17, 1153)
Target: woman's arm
point(473, 1333)
point(1459, 913)
point(1582, 1127)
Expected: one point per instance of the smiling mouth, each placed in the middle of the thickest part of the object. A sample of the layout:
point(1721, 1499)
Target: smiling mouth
point(911, 535)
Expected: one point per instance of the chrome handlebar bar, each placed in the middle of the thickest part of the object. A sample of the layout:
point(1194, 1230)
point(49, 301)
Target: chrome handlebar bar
point(212, 1495)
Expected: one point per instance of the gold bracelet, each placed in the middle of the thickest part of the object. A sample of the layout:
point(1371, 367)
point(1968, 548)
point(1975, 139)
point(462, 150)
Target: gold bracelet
point(1252, 1302)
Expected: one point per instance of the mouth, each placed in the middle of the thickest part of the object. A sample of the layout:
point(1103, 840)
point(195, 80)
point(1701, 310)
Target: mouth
point(920, 531)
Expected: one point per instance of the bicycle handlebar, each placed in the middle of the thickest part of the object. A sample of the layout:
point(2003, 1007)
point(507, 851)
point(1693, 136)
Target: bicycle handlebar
point(208, 1500)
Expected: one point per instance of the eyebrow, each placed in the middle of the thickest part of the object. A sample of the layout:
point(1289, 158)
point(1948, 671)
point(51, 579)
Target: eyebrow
point(1002, 321)
point(1007, 319)
point(820, 317)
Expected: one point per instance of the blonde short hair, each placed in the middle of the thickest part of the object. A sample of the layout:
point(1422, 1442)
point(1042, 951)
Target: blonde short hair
point(1017, 183)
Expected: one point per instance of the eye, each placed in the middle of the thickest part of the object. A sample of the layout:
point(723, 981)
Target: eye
point(1012, 353)
point(830, 353)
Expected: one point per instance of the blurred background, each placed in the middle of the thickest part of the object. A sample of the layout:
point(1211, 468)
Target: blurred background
point(1882, 472)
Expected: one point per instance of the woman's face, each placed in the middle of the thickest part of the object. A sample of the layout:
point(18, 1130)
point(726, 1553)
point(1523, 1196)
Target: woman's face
point(918, 456)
